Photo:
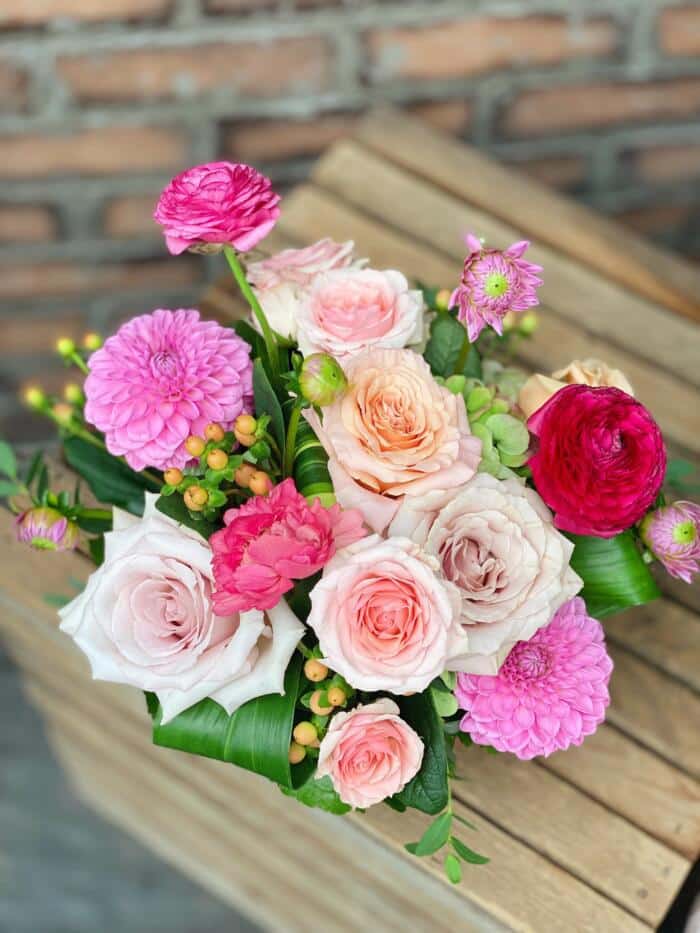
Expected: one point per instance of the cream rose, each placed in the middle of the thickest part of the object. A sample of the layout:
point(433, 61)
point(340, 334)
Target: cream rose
point(395, 433)
point(538, 389)
point(383, 615)
point(496, 543)
point(350, 310)
point(146, 618)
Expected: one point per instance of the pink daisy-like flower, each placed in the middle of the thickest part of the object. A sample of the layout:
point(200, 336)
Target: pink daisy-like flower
point(672, 534)
point(46, 529)
point(550, 693)
point(162, 377)
point(493, 283)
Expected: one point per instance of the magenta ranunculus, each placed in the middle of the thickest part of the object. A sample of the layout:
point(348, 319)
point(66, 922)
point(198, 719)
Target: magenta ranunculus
point(220, 203)
point(271, 541)
point(672, 534)
point(162, 377)
point(600, 459)
point(550, 693)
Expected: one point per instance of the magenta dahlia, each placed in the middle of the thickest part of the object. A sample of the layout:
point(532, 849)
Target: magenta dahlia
point(550, 693)
point(162, 377)
point(672, 534)
point(493, 283)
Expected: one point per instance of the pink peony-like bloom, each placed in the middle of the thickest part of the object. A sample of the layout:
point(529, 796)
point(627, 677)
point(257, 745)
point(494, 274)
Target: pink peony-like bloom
point(271, 541)
point(551, 692)
point(493, 283)
point(220, 203)
point(672, 534)
point(350, 310)
point(370, 753)
point(46, 529)
point(162, 377)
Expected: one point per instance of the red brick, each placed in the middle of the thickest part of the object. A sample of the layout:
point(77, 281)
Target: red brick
point(668, 163)
point(589, 106)
point(14, 84)
point(262, 69)
point(481, 44)
point(24, 335)
point(679, 30)
point(655, 220)
point(555, 171)
point(131, 216)
point(41, 12)
point(26, 224)
point(269, 140)
point(451, 116)
point(92, 152)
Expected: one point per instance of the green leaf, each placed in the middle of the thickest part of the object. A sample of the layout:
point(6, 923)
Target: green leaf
point(266, 402)
point(97, 549)
point(256, 737)
point(36, 463)
point(174, 507)
point(311, 466)
point(110, 479)
point(445, 703)
point(435, 836)
point(8, 461)
point(677, 473)
point(94, 526)
point(318, 793)
point(453, 869)
point(56, 600)
point(248, 333)
point(444, 346)
point(468, 854)
point(614, 574)
point(428, 790)
point(9, 488)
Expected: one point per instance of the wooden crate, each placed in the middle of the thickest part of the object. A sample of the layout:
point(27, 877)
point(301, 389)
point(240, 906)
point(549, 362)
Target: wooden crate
point(599, 838)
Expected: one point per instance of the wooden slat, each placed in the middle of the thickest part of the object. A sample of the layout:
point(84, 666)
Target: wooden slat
point(538, 212)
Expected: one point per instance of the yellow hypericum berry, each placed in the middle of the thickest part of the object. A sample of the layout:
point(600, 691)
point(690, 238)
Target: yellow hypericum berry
point(245, 424)
point(297, 753)
point(92, 341)
point(195, 445)
point(217, 459)
point(65, 346)
point(214, 432)
point(73, 394)
point(260, 483)
point(173, 476)
point(196, 498)
point(34, 397)
point(442, 299)
point(315, 670)
point(246, 440)
point(336, 696)
point(63, 413)
point(315, 704)
point(244, 474)
point(305, 733)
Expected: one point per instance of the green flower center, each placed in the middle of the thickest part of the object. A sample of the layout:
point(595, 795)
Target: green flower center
point(685, 532)
point(43, 544)
point(496, 285)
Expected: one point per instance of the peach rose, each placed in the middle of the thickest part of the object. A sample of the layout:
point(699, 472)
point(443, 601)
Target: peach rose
point(591, 372)
point(383, 616)
point(350, 310)
point(395, 433)
point(369, 753)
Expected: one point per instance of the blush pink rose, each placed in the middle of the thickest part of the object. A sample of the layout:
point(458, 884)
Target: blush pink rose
point(146, 618)
point(384, 616)
point(218, 203)
point(395, 433)
point(370, 754)
point(350, 310)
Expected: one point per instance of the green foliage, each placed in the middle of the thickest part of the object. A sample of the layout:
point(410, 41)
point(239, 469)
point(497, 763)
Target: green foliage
point(464, 852)
point(8, 461)
point(428, 791)
point(319, 794)
point(453, 868)
point(110, 479)
point(311, 466)
point(435, 836)
point(266, 402)
point(678, 477)
point(174, 507)
point(442, 352)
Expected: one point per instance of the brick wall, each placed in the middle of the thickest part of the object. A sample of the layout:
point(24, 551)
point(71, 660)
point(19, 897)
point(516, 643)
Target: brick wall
point(101, 101)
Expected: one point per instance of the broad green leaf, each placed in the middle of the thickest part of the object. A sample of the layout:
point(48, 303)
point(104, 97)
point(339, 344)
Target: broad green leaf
point(97, 549)
point(248, 333)
point(444, 345)
point(266, 402)
point(94, 526)
point(318, 793)
point(453, 869)
point(445, 703)
point(614, 574)
point(33, 468)
point(428, 790)
point(8, 461)
point(468, 854)
point(311, 466)
point(435, 836)
point(110, 479)
point(174, 507)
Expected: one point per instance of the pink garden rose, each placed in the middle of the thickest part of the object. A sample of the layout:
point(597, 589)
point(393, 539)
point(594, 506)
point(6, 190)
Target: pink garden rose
point(350, 310)
point(271, 541)
point(220, 203)
point(162, 377)
point(370, 753)
point(146, 618)
point(383, 615)
point(395, 433)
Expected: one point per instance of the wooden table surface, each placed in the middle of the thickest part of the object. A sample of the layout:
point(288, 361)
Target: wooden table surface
point(599, 838)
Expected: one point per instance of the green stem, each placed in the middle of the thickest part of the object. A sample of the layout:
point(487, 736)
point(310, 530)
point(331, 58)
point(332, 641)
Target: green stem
point(290, 445)
point(77, 359)
point(249, 295)
point(96, 513)
point(463, 354)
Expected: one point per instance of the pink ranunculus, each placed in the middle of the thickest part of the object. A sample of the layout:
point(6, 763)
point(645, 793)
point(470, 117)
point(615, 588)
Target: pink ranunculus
point(370, 753)
point(600, 459)
point(220, 203)
point(271, 541)
point(350, 310)
point(394, 433)
point(384, 616)
point(162, 377)
point(146, 618)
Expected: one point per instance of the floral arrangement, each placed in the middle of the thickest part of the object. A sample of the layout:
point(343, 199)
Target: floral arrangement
point(346, 533)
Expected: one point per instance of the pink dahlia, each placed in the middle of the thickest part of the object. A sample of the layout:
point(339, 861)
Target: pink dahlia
point(493, 283)
point(271, 541)
point(672, 534)
point(550, 693)
point(217, 203)
point(162, 377)
point(46, 529)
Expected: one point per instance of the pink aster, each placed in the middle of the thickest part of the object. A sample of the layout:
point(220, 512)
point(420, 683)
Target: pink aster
point(45, 529)
point(672, 534)
point(271, 541)
point(550, 693)
point(162, 377)
point(493, 283)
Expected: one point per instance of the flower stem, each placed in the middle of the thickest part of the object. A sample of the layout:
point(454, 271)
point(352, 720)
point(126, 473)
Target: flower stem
point(249, 295)
point(78, 361)
point(96, 513)
point(463, 354)
point(290, 445)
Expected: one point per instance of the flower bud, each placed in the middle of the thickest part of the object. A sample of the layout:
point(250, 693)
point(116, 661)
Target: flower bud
point(297, 753)
point(442, 299)
point(46, 529)
point(245, 440)
point(245, 424)
point(196, 498)
point(244, 474)
point(34, 397)
point(336, 696)
point(65, 346)
point(92, 341)
point(217, 460)
point(173, 476)
point(195, 445)
point(315, 670)
point(672, 534)
point(73, 394)
point(214, 432)
point(528, 323)
point(62, 413)
point(321, 379)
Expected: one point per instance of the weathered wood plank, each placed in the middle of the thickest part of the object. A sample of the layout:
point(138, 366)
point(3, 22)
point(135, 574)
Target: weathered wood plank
point(535, 210)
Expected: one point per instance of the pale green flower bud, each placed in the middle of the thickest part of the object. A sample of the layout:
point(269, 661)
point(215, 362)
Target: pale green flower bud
point(322, 380)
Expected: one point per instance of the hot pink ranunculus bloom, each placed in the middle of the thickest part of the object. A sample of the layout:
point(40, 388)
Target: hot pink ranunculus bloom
point(271, 541)
point(217, 203)
point(162, 377)
point(551, 692)
point(370, 753)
